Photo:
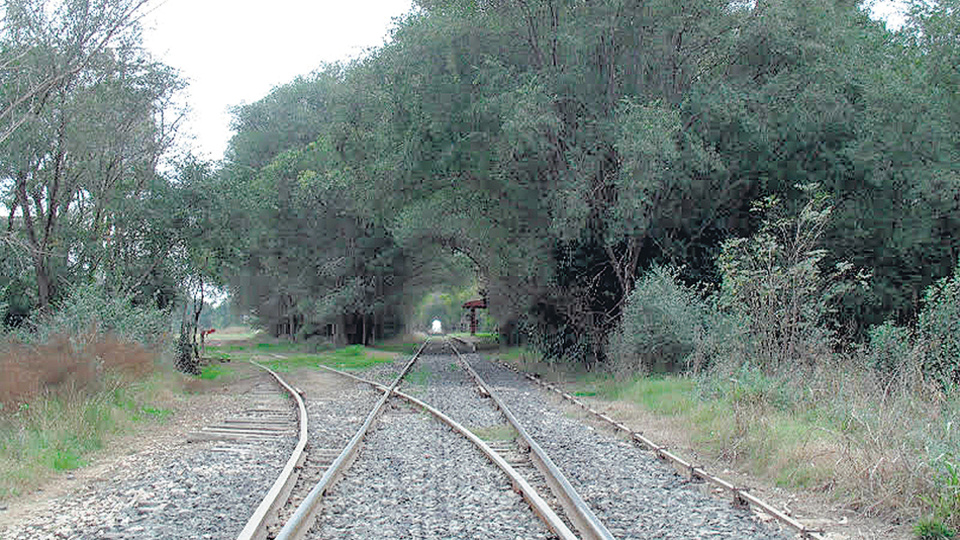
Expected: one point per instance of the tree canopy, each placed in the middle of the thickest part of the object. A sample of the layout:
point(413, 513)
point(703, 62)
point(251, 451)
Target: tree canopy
point(563, 146)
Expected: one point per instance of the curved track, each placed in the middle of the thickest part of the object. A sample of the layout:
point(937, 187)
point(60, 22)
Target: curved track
point(504, 457)
point(518, 457)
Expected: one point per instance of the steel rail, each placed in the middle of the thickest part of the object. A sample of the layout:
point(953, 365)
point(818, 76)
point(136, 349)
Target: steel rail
point(741, 496)
point(256, 527)
point(305, 514)
point(576, 508)
point(536, 502)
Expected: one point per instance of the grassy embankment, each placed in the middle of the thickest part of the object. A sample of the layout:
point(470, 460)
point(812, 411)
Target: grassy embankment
point(60, 402)
point(882, 455)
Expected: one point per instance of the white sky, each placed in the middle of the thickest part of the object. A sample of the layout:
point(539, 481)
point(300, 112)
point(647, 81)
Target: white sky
point(236, 51)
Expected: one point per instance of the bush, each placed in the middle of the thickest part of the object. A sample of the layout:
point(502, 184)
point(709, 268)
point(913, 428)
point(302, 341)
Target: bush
point(90, 312)
point(30, 369)
point(91, 336)
point(775, 286)
point(893, 356)
point(662, 325)
point(939, 330)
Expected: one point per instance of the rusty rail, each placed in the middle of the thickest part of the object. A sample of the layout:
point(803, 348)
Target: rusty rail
point(536, 502)
point(575, 507)
point(256, 527)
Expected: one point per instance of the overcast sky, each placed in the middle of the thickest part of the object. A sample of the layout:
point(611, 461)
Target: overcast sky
point(236, 51)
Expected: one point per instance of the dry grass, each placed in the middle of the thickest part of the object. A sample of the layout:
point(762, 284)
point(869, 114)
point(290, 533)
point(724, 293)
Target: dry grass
point(874, 444)
point(62, 364)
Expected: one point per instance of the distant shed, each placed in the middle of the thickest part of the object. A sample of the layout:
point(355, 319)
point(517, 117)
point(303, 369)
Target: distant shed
point(473, 306)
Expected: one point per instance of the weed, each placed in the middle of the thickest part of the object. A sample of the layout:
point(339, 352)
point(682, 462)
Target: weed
point(213, 371)
point(354, 357)
point(420, 376)
point(933, 529)
point(57, 431)
point(406, 348)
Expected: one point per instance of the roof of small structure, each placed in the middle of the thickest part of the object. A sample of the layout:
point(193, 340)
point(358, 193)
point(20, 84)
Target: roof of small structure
point(477, 304)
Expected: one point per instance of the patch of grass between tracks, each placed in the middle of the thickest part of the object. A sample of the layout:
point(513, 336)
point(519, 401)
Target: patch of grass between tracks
point(353, 357)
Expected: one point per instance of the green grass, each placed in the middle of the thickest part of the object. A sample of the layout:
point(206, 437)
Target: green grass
point(58, 433)
point(420, 376)
point(213, 371)
point(277, 347)
point(670, 396)
point(225, 349)
point(406, 348)
point(353, 357)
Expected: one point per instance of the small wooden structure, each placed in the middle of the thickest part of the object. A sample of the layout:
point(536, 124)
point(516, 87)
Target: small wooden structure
point(473, 306)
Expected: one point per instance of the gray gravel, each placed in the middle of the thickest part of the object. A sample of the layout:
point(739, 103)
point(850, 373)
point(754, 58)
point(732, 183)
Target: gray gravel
point(438, 380)
point(634, 494)
point(187, 491)
point(335, 412)
point(415, 478)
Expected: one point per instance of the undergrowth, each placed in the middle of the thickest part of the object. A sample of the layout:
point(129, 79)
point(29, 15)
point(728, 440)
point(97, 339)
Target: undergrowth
point(73, 379)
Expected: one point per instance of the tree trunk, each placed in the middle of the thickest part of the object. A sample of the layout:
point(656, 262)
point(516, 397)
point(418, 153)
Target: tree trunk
point(363, 326)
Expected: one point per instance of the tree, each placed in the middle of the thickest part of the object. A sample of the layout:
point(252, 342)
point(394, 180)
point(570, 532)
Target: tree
point(88, 149)
point(46, 44)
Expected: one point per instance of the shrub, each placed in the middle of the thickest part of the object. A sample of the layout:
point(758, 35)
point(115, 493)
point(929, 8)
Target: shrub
point(775, 286)
point(662, 325)
point(939, 330)
point(60, 364)
point(893, 356)
point(90, 336)
point(90, 312)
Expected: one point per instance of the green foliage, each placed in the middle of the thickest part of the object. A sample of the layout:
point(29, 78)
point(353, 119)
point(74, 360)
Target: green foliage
point(774, 285)
point(214, 371)
point(933, 529)
point(90, 311)
point(889, 348)
point(561, 148)
point(407, 349)
point(351, 357)
point(939, 328)
point(420, 376)
point(662, 325)
point(59, 432)
point(946, 502)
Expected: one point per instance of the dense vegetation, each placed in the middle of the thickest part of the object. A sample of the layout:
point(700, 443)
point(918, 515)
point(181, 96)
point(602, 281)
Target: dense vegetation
point(563, 147)
point(769, 188)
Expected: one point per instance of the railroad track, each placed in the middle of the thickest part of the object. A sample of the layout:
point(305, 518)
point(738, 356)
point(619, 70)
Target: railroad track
point(305, 504)
point(510, 454)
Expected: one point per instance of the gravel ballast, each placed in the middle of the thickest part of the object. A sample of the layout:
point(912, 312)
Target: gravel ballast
point(415, 478)
point(185, 490)
point(631, 491)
